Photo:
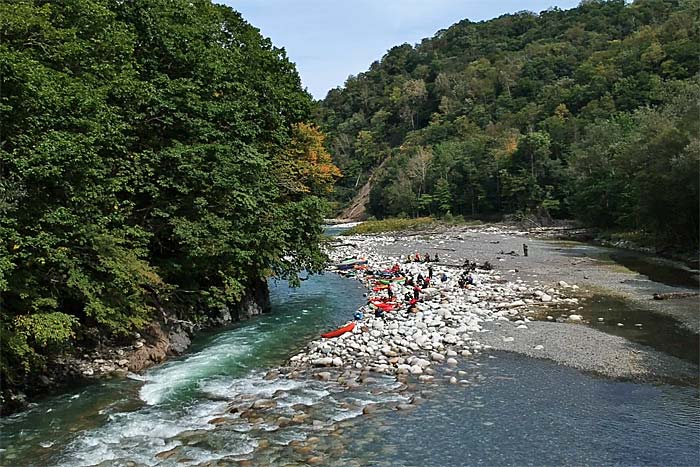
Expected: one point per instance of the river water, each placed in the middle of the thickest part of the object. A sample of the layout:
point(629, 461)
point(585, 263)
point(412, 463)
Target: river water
point(507, 409)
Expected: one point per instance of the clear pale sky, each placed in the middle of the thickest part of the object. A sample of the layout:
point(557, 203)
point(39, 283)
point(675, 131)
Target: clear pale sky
point(332, 39)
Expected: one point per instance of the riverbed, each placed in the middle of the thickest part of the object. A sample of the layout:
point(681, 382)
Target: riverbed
point(506, 409)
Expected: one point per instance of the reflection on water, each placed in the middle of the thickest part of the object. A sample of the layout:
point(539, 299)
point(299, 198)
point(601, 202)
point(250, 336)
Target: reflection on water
point(660, 270)
point(177, 395)
point(660, 332)
point(657, 270)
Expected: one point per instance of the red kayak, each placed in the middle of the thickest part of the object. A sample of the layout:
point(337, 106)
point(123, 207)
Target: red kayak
point(376, 301)
point(339, 331)
point(385, 306)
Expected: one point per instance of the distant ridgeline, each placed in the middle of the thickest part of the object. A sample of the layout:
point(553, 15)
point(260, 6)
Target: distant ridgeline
point(589, 113)
point(154, 158)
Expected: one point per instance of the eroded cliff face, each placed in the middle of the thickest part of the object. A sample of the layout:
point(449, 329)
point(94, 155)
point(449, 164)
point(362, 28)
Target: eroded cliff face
point(171, 336)
point(161, 339)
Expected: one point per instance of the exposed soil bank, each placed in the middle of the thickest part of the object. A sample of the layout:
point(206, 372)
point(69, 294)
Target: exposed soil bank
point(160, 340)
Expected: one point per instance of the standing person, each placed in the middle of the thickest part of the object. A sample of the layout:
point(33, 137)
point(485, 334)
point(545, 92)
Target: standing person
point(430, 272)
point(390, 292)
point(416, 292)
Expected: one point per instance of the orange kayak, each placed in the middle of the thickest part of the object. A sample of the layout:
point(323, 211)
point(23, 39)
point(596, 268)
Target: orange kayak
point(339, 331)
point(385, 306)
point(378, 301)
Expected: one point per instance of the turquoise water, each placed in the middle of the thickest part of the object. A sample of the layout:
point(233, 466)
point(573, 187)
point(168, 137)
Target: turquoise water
point(508, 410)
point(133, 418)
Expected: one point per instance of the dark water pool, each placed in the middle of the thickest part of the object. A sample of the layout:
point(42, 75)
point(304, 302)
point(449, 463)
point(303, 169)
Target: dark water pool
point(658, 331)
point(657, 270)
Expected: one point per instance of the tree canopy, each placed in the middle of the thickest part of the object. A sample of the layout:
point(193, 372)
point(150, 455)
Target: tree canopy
point(589, 113)
point(145, 152)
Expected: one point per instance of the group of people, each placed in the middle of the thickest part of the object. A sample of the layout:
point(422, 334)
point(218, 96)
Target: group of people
point(426, 258)
point(420, 282)
point(472, 265)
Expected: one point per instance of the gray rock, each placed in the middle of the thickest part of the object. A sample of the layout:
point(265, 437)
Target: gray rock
point(437, 357)
point(324, 361)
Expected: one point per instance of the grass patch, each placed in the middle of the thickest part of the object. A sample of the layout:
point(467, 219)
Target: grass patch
point(391, 225)
point(403, 224)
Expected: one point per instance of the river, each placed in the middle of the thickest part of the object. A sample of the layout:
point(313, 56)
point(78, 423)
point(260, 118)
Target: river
point(508, 409)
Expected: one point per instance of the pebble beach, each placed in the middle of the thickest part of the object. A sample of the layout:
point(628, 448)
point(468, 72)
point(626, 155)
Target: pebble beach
point(502, 310)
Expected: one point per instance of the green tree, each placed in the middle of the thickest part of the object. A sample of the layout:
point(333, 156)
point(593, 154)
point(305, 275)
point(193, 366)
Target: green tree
point(146, 149)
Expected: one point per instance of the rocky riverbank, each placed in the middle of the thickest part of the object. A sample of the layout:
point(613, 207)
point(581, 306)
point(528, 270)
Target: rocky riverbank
point(161, 339)
point(497, 312)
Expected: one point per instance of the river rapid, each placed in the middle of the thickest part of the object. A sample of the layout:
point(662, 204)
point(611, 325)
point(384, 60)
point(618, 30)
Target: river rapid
point(507, 410)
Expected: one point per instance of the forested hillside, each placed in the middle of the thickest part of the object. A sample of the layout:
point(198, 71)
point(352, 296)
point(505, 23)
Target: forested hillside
point(155, 157)
point(589, 113)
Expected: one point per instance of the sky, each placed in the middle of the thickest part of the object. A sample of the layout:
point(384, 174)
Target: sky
point(330, 40)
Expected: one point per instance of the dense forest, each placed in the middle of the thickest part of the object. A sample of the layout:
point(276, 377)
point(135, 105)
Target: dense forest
point(590, 113)
point(155, 156)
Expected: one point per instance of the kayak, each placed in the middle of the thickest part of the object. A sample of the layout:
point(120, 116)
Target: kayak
point(380, 287)
point(385, 306)
point(339, 331)
point(391, 281)
point(350, 264)
point(382, 299)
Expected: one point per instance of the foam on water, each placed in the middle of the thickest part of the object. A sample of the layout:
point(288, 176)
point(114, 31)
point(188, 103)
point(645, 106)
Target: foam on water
point(140, 435)
point(109, 424)
point(228, 388)
point(219, 358)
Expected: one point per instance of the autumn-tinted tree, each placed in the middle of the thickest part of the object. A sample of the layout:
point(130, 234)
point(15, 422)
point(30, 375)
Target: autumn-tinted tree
point(145, 158)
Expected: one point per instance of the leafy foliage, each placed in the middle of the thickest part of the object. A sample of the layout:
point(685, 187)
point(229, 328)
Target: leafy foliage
point(590, 112)
point(146, 149)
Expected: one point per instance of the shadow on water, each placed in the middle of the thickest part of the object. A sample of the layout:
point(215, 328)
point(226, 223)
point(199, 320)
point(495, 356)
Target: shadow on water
point(657, 331)
point(660, 332)
point(604, 312)
point(659, 270)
